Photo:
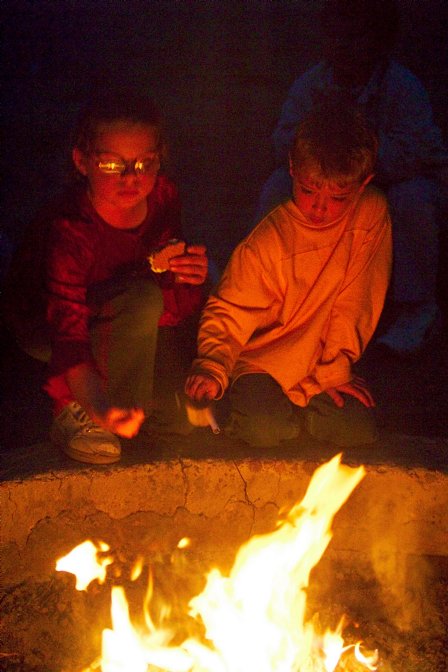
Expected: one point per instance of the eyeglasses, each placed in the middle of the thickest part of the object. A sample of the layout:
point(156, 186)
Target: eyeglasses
point(113, 164)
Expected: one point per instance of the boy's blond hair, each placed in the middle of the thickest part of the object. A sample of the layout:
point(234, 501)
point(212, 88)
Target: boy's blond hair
point(335, 141)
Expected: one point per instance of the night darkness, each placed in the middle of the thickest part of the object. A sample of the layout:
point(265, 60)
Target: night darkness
point(220, 71)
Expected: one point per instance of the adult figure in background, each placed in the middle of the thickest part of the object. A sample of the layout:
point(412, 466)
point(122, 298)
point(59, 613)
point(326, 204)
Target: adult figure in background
point(358, 37)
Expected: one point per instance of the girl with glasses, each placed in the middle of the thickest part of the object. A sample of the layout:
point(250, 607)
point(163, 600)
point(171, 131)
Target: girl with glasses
point(81, 292)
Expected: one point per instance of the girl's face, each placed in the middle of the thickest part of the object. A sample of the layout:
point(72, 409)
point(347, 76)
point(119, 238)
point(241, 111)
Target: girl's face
point(323, 201)
point(122, 167)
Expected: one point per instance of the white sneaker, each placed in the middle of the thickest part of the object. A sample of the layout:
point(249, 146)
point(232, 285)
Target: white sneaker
point(81, 439)
point(413, 327)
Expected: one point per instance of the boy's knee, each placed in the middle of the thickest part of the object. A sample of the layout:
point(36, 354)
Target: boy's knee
point(353, 424)
point(261, 430)
point(261, 414)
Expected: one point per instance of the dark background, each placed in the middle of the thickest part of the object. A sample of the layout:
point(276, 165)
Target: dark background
point(220, 72)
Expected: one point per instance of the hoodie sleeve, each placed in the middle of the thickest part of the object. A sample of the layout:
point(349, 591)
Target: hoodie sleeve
point(246, 300)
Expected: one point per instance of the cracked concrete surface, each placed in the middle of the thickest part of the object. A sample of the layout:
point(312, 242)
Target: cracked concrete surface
point(404, 508)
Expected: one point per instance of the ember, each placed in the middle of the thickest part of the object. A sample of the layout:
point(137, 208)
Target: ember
point(254, 618)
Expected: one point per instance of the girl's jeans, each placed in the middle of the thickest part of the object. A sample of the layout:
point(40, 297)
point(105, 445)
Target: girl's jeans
point(144, 365)
point(123, 334)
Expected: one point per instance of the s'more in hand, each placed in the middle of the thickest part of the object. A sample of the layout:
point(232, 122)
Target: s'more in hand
point(159, 259)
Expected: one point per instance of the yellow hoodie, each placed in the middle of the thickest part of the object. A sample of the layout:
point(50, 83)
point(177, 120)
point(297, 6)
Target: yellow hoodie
point(299, 302)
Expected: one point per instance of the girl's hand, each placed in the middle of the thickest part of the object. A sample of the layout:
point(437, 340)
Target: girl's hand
point(191, 267)
point(87, 388)
point(201, 387)
point(125, 422)
point(356, 388)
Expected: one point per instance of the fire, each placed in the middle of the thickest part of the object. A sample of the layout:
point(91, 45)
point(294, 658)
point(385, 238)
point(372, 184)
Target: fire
point(84, 563)
point(255, 618)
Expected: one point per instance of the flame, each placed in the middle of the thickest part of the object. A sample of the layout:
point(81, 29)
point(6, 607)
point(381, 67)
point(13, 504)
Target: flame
point(83, 562)
point(124, 649)
point(137, 569)
point(255, 618)
point(368, 661)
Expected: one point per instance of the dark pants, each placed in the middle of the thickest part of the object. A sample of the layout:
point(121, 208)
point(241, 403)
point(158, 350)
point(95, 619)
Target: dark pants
point(144, 365)
point(123, 332)
point(262, 415)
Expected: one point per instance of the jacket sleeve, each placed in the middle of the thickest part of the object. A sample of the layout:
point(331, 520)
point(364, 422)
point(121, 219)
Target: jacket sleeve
point(244, 301)
point(358, 307)
point(69, 258)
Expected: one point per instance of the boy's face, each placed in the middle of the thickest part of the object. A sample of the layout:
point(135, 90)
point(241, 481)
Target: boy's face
point(115, 143)
point(322, 201)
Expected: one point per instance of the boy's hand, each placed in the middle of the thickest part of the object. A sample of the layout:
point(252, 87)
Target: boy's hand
point(356, 388)
point(125, 422)
point(191, 267)
point(201, 387)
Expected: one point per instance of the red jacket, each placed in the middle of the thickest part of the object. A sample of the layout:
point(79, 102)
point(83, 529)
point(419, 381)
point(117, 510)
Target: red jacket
point(69, 249)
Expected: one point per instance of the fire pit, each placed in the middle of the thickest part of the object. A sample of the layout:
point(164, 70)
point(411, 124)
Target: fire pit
point(385, 569)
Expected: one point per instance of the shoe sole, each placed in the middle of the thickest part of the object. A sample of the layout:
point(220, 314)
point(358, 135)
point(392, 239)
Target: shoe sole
point(79, 456)
point(90, 459)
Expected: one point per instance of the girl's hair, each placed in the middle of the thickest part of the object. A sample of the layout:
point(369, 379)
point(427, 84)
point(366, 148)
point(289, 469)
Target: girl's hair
point(335, 140)
point(115, 106)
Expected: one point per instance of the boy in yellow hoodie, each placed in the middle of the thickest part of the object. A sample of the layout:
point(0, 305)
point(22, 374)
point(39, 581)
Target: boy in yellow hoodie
point(301, 296)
